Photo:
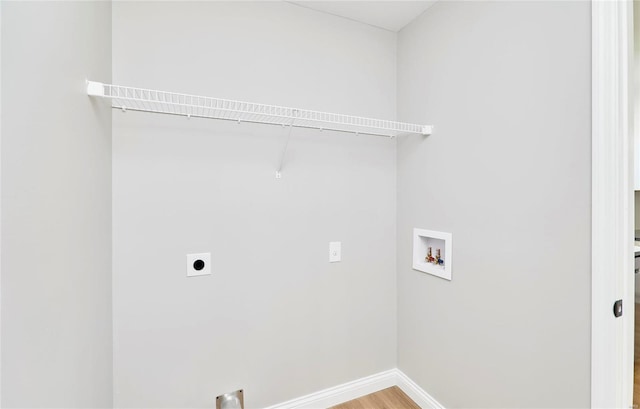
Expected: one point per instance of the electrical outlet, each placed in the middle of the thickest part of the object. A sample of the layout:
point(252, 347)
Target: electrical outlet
point(335, 251)
point(198, 264)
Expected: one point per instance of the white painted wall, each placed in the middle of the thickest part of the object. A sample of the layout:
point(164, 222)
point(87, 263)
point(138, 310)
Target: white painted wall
point(507, 171)
point(56, 206)
point(275, 318)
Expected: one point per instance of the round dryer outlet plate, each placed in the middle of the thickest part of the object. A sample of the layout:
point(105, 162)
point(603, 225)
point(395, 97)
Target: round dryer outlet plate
point(198, 264)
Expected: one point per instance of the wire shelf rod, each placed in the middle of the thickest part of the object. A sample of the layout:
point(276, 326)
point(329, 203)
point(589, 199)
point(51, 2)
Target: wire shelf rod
point(163, 102)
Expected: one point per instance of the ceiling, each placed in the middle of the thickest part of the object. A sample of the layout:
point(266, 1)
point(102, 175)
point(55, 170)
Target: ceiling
point(388, 15)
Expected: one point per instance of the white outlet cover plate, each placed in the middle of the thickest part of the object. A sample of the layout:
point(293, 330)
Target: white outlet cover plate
point(192, 258)
point(335, 251)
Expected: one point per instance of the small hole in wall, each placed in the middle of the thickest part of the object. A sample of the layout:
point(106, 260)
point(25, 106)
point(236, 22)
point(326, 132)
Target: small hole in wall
point(198, 265)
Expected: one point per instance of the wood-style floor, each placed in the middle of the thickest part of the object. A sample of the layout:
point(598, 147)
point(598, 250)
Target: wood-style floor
point(636, 360)
point(390, 398)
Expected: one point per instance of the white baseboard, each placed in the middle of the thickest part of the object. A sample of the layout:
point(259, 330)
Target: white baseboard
point(360, 387)
point(415, 392)
point(341, 393)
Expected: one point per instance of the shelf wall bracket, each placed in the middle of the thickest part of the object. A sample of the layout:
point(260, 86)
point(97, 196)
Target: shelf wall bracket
point(286, 145)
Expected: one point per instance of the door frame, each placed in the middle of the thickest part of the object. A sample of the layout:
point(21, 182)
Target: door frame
point(612, 204)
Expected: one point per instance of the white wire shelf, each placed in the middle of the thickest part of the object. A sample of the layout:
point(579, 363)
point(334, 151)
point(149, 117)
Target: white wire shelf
point(138, 99)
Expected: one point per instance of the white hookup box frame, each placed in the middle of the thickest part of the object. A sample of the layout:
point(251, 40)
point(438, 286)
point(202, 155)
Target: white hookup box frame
point(422, 240)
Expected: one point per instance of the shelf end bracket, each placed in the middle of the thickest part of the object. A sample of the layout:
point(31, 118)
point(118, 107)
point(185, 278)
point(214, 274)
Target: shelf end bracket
point(427, 130)
point(95, 89)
